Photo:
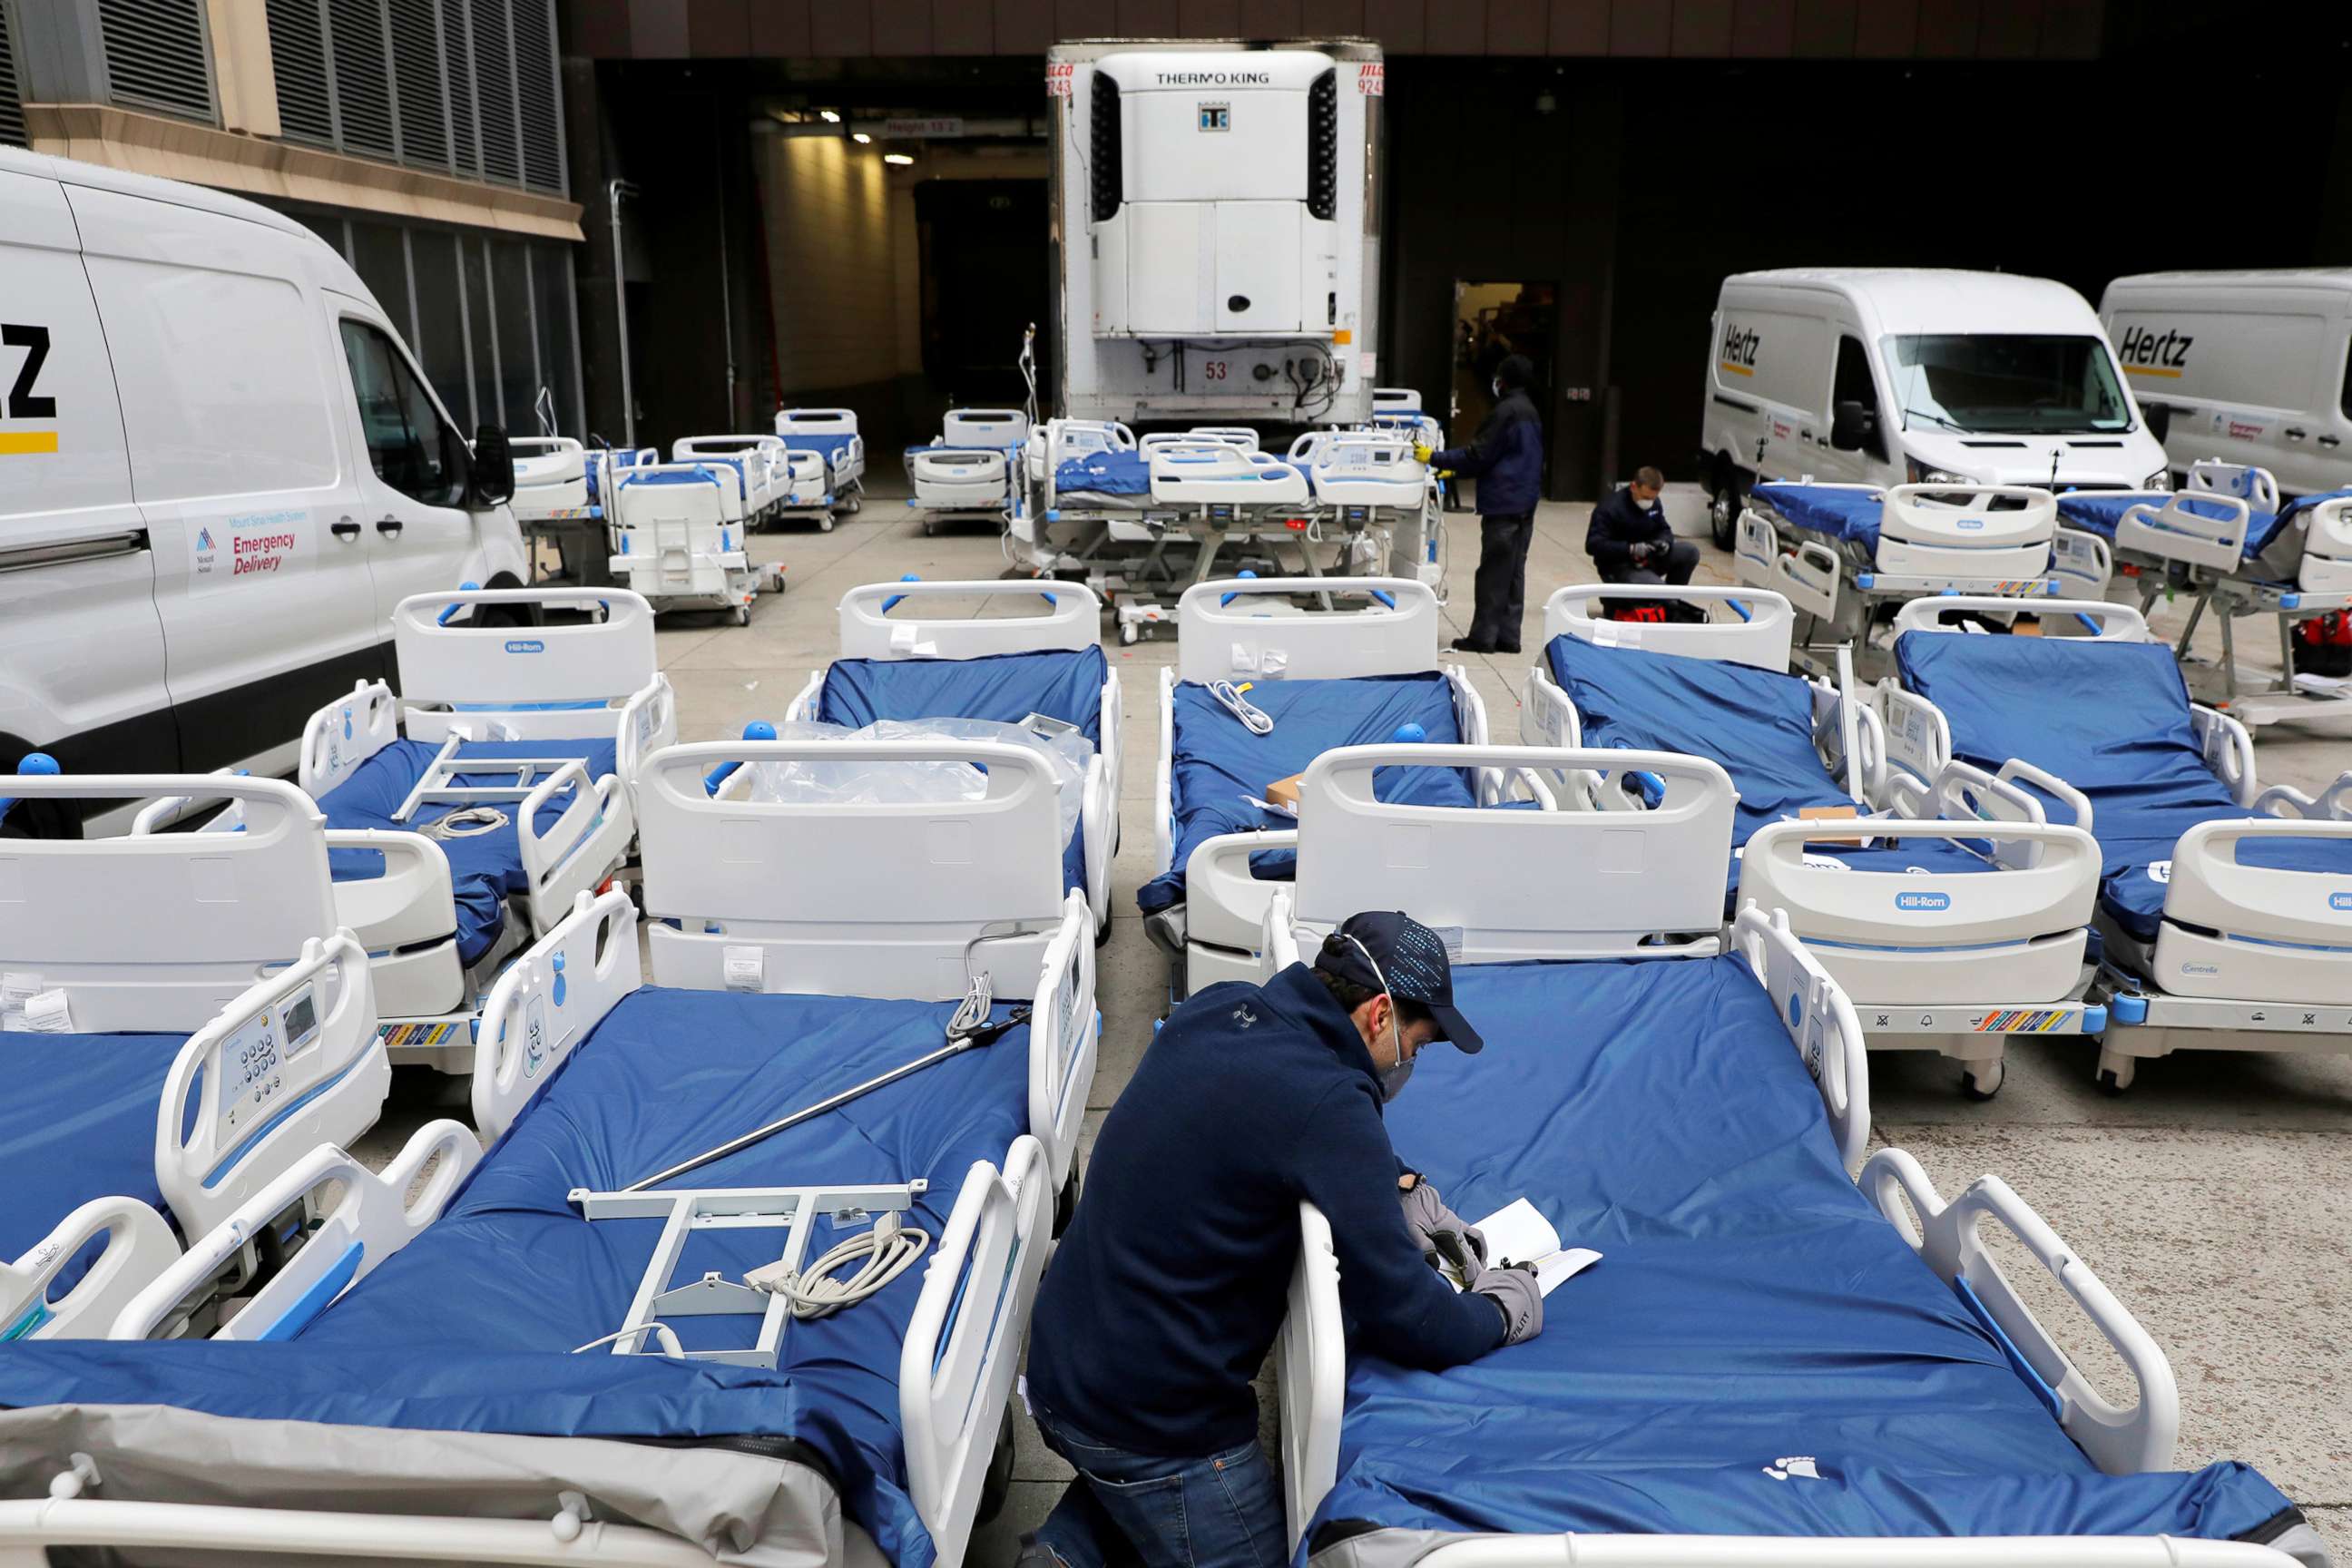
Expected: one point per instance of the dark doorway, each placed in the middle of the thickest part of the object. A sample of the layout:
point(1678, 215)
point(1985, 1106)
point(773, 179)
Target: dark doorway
point(1492, 321)
point(984, 281)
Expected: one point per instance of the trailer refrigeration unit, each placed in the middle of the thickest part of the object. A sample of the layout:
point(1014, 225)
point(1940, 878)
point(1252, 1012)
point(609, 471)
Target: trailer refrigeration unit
point(1215, 234)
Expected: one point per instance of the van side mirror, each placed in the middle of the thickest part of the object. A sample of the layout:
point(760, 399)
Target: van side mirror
point(493, 482)
point(2160, 419)
point(1853, 428)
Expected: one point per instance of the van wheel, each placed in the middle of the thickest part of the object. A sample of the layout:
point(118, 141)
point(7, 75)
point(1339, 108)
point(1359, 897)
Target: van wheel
point(1723, 509)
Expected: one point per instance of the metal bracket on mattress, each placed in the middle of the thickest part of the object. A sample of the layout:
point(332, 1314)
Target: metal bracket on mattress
point(434, 786)
point(688, 1209)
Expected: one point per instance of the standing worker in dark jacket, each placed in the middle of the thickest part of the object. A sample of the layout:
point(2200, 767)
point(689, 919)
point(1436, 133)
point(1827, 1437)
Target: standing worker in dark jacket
point(1169, 1289)
point(1630, 541)
point(1506, 457)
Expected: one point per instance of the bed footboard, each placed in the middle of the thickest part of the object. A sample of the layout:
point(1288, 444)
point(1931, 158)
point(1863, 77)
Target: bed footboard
point(1073, 620)
point(1756, 630)
point(535, 677)
point(2261, 932)
point(963, 1344)
point(548, 1001)
point(2120, 1440)
point(291, 1064)
point(1243, 628)
point(1819, 1019)
point(372, 1218)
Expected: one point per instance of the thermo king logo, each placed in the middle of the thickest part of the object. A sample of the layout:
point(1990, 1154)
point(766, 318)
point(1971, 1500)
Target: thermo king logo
point(526, 645)
point(1916, 902)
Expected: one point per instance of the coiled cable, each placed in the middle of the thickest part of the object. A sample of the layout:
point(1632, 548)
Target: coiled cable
point(1254, 717)
point(888, 1250)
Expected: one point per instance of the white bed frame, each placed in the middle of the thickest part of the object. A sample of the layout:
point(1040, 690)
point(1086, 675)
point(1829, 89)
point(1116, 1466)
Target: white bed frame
point(1934, 961)
point(266, 1089)
point(969, 471)
point(551, 478)
point(677, 545)
point(841, 473)
point(2276, 977)
point(1933, 539)
point(2202, 557)
point(756, 462)
point(1247, 629)
point(1073, 621)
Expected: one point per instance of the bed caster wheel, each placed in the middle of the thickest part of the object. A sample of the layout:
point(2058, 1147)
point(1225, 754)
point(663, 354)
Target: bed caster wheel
point(2116, 1073)
point(1102, 930)
point(854, 504)
point(743, 615)
point(1066, 1203)
point(1126, 634)
point(930, 527)
point(824, 523)
point(996, 1482)
point(1981, 1080)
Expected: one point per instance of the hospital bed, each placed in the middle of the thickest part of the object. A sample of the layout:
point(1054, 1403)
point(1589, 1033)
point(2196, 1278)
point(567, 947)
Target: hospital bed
point(465, 812)
point(836, 480)
point(1772, 1364)
point(2224, 909)
point(1847, 555)
point(1951, 928)
point(1369, 481)
point(681, 538)
point(204, 1027)
point(928, 661)
point(2229, 544)
point(1342, 676)
point(550, 476)
point(969, 472)
point(419, 1402)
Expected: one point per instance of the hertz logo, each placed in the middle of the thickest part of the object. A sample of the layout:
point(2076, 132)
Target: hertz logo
point(2144, 353)
point(1739, 346)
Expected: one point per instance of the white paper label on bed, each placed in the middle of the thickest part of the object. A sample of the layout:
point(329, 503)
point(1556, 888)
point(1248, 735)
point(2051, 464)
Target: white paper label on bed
point(1518, 1233)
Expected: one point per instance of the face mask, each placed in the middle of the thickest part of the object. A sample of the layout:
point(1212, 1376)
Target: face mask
point(1498, 390)
point(1392, 1081)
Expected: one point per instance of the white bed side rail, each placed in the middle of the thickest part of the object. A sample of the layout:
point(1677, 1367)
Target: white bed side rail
point(291, 1064)
point(1224, 905)
point(2093, 617)
point(1311, 1374)
point(157, 930)
point(1163, 782)
point(1965, 515)
point(344, 733)
point(1850, 1552)
point(2227, 749)
point(2257, 486)
point(1755, 628)
point(1519, 884)
point(1072, 619)
point(963, 1344)
point(1820, 1018)
point(2211, 888)
point(548, 1001)
point(2203, 528)
point(848, 899)
point(2120, 1440)
point(566, 660)
point(370, 1218)
point(409, 904)
point(1065, 1032)
point(140, 1244)
point(1224, 634)
point(2333, 804)
point(585, 843)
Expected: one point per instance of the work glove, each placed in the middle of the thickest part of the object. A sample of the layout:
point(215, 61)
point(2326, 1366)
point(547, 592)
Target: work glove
point(1516, 1291)
point(1423, 451)
point(1642, 553)
point(1446, 1239)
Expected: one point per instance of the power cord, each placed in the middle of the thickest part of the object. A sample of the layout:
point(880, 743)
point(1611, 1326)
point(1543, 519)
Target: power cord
point(1229, 696)
point(888, 1250)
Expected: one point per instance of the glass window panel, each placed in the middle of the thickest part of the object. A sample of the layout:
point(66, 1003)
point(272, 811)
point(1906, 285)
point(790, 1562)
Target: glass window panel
point(440, 324)
point(382, 262)
point(488, 409)
point(518, 374)
point(551, 273)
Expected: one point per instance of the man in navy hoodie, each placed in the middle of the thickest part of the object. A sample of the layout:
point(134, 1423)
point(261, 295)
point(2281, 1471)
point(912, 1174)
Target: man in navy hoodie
point(1506, 457)
point(1169, 1289)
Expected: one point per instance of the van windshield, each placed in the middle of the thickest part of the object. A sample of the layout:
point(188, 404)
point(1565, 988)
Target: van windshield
point(2014, 384)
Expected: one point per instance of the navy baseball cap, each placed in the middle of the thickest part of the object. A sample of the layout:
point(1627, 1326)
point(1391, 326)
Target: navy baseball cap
point(1412, 959)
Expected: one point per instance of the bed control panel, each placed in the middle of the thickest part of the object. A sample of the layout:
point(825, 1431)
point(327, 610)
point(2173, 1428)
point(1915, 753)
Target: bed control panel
point(254, 1060)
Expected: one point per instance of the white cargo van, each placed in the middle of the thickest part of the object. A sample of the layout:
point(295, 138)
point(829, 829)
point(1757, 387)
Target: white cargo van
point(2249, 367)
point(1914, 375)
point(219, 471)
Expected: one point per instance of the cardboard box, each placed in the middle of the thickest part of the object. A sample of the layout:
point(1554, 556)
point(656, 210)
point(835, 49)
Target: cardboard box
point(1826, 812)
point(1284, 793)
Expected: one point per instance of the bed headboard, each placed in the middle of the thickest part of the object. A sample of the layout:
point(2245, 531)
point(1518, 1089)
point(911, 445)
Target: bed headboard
point(567, 660)
point(1503, 885)
point(1754, 626)
point(1232, 630)
point(160, 931)
point(2096, 618)
point(1072, 619)
point(847, 899)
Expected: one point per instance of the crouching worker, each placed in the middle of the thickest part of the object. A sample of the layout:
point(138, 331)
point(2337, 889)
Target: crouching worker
point(1169, 1287)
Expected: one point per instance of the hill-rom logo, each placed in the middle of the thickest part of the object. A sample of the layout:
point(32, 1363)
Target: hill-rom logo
point(2339, 901)
point(2144, 350)
point(1971, 523)
point(1215, 78)
point(525, 644)
point(1914, 902)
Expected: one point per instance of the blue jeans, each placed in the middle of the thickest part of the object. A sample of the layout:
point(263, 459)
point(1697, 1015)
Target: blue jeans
point(1221, 1511)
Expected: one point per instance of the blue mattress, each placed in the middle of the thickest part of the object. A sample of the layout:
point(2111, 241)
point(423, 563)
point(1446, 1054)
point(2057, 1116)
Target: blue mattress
point(1750, 1305)
point(482, 870)
point(2099, 511)
point(2112, 720)
point(1218, 762)
point(465, 1328)
point(1004, 689)
point(1848, 514)
point(76, 1123)
point(1757, 724)
point(1106, 473)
